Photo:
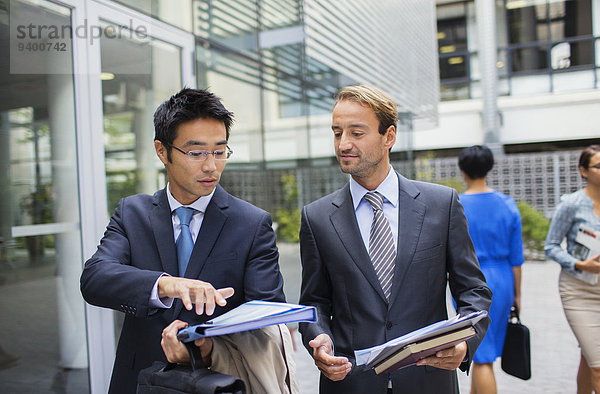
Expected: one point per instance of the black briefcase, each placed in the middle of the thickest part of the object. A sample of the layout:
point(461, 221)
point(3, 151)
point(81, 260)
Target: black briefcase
point(516, 354)
point(168, 378)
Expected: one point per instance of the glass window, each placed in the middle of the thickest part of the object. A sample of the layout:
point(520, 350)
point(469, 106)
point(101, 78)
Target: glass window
point(453, 51)
point(283, 77)
point(232, 23)
point(43, 345)
point(527, 25)
point(454, 91)
point(453, 66)
point(531, 58)
point(551, 33)
point(527, 22)
point(452, 35)
point(285, 99)
point(557, 21)
point(175, 12)
point(236, 79)
point(323, 86)
point(138, 74)
point(452, 47)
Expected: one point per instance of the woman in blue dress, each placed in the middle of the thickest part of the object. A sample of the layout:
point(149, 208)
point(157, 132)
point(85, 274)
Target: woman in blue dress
point(495, 228)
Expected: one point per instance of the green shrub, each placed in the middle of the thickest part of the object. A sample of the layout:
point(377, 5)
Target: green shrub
point(288, 217)
point(455, 183)
point(39, 204)
point(119, 184)
point(288, 225)
point(535, 226)
point(425, 172)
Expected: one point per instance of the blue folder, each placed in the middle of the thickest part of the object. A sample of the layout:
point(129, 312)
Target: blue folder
point(249, 316)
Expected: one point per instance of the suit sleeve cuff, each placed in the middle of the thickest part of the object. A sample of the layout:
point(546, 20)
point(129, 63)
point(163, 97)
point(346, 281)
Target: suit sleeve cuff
point(155, 301)
point(466, 363)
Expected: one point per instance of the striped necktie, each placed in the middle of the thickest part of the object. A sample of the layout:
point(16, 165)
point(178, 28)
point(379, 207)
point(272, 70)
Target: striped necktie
point(381, 244)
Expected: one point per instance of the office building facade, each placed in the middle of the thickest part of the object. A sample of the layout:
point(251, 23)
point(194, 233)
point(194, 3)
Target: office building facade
point(79, 82)
point(546, 74)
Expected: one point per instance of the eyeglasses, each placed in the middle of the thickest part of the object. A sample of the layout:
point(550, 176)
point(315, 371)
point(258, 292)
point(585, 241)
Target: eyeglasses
point(201, 155)
point(596, 167)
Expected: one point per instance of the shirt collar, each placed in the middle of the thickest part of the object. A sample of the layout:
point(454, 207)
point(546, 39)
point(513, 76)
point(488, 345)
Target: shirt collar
point(199, 205)
point(388, 189)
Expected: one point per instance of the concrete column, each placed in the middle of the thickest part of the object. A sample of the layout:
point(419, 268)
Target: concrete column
point(71, 316)
point(487, 48)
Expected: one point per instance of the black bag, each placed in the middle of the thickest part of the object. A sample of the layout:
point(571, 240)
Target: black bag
point(516, 356)
point(162, 378)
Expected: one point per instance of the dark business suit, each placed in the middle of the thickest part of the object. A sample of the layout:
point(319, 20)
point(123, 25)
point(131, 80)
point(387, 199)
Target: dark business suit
point(235, 248)
point(338, 278)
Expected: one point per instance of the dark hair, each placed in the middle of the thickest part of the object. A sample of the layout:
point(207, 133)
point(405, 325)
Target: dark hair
point(184, 106)
point(476, 161)
point(586, 155)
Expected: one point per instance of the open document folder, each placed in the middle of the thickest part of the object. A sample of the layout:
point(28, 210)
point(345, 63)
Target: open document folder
point(408, 349)
point(249, 316)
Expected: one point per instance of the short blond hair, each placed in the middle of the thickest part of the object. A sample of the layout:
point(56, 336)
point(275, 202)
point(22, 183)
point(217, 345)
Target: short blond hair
point(384, 107)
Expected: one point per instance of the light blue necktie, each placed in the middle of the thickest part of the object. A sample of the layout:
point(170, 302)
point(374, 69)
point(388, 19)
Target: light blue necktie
point(185, 242)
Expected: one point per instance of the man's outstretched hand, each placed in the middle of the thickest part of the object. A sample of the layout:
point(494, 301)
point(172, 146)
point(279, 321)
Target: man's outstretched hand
point(193, 291)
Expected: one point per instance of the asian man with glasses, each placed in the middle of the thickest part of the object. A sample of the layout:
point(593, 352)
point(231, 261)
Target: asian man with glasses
point(189, 252)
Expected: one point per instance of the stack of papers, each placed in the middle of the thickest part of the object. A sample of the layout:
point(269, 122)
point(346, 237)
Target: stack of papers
point(408, 349)
point(588, 245)
point(249, 316)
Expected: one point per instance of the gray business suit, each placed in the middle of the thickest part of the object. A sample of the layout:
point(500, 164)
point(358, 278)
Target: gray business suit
point(338, 278)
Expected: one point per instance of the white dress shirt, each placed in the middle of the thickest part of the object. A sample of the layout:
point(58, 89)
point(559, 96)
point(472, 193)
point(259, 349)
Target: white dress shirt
point(364, 212)
point(199, 205)
point(195, 223)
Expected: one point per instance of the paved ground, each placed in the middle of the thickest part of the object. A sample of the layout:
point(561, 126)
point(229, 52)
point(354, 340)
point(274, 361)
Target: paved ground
point(555, 355)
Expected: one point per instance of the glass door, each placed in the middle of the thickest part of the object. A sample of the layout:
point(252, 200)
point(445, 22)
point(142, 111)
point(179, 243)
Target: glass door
point(136, 63)
point(77, 94)
point(43, 344)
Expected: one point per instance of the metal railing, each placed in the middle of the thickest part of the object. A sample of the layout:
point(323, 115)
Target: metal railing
point(525, 59)
point(537, 178)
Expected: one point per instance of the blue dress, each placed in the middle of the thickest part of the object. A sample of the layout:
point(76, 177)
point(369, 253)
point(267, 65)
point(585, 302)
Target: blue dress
point(495, 228)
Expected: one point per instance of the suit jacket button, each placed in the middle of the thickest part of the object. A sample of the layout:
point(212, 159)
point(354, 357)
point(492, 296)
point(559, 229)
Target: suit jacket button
point(388, 325)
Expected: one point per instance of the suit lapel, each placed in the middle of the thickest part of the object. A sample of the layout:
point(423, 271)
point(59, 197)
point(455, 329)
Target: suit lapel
point(344, 222)
point(411, 213)
point(162, 227)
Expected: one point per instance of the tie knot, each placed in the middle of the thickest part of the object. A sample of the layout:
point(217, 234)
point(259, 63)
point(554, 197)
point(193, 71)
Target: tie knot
point(185, 215)
point(375, 199)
